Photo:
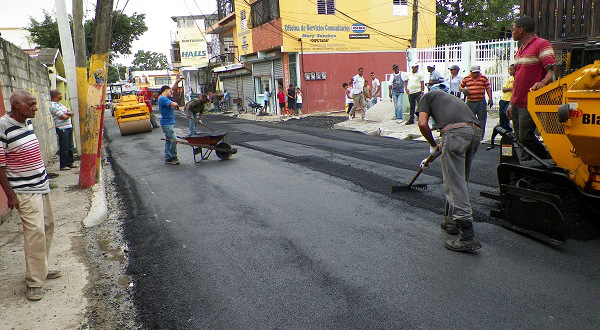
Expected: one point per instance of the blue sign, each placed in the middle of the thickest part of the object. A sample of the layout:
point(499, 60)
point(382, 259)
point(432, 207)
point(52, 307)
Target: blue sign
point(358, 28)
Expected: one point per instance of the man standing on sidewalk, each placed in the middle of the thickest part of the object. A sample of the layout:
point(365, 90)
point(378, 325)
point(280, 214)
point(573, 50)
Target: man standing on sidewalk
point(64, 129)
point(414, 88)
point(396, 89)
point(375, 89)
point(24, 179)
point(475, 86)
point(358, 83)
point(533, 70)
point(460, 139)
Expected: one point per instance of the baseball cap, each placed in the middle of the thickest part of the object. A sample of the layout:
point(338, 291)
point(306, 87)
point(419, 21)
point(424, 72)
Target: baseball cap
point(395, 65)
point(431, 66)
point(414, 66)
point(475, 68)
point(454, 67)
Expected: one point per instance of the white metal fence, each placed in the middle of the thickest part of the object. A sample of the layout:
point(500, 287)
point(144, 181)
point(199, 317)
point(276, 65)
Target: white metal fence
point(493, 56)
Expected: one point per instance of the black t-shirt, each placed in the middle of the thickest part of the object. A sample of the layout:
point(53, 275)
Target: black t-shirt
point(291, 94)
point(446, 109)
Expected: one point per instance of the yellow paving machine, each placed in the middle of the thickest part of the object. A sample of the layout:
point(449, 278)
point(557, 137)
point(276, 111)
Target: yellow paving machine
point(132, 115)
point(550, 199)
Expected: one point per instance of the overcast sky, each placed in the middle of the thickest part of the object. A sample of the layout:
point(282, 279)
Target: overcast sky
point(158, 17)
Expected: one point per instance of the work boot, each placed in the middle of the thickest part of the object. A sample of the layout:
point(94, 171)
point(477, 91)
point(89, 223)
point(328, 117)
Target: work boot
point(466, 241)
point(449, 226)
point(34, 294)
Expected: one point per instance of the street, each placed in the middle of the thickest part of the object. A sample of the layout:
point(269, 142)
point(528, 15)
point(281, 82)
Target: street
point(299, 230)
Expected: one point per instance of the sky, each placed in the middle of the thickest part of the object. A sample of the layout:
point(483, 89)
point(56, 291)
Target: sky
point(158, 17)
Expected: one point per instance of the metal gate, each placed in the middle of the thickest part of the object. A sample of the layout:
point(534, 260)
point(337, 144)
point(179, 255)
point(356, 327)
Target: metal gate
point(278, 69)
point(247, 87)
point(232, 87)
point(261, 69)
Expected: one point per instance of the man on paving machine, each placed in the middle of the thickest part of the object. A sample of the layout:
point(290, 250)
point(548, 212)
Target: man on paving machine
point(461, 135)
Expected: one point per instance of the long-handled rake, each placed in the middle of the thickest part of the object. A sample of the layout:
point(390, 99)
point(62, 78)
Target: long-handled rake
point(411, 185)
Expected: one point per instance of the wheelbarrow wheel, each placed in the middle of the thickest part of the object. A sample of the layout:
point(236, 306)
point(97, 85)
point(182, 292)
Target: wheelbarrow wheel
point(224, 155)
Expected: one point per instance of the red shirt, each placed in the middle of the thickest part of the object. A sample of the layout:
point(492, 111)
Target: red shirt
point(530, 63)
point(475, 87)
point(281, 97)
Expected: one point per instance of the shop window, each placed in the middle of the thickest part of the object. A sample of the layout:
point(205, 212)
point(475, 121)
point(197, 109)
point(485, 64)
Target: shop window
point(293, 73)
point(326, 7)
point(264, 11)
point(400, 8)
point(162, 81)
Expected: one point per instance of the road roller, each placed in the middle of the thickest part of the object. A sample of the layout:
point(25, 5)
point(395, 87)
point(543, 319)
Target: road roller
point(132, 115)
point(554, 200)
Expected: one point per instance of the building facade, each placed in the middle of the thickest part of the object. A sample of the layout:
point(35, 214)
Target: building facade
point(319, 44)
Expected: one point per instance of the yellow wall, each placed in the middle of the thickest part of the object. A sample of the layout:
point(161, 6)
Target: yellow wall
point(327, 33)
point(243, 25)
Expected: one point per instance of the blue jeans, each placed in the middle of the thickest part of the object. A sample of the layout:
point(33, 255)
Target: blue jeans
point(480, 111)
point(504, 121)
point(193, 123)
point(398, 99)
point(65, 146)
point(170, 147)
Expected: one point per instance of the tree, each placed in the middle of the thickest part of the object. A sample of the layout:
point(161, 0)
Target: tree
point(124, 31)
point(473, 20)
point(116, 72)
point(146, 60)
point(44, 33)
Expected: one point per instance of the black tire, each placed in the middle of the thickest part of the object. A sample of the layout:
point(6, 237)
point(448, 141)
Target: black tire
point(223, 105)
point(223, 155)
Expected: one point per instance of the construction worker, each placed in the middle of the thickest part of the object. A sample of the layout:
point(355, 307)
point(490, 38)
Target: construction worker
point(461, 135)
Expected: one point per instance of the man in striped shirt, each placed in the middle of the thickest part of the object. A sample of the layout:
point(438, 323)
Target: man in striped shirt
point(64, 129)
point(474, 86)
point(24, 179)
point(533, 70)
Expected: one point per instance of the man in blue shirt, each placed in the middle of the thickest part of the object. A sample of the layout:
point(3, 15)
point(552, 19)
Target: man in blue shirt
point(435, 78)
point(167, 122)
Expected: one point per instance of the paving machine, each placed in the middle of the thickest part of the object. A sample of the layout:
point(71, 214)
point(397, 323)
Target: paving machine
point(132, 115)
point(550, 199)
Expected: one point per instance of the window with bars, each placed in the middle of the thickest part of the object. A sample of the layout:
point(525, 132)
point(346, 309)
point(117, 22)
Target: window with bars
point(326, 7)
point(264, 11)
point(400, 8)
point(243, 20)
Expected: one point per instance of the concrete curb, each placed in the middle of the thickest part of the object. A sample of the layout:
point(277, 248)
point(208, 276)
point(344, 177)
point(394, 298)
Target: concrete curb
point(99, 209)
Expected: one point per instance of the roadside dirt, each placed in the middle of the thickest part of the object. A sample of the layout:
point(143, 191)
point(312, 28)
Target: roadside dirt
point(93, 292)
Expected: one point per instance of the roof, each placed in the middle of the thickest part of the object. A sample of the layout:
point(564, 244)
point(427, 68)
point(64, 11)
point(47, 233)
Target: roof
point(47, 56)
point(211, 16)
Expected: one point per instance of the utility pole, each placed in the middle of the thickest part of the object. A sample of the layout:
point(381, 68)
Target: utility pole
point(415, 24)
point(69, 61)
point(91, 139)
point(80, 64)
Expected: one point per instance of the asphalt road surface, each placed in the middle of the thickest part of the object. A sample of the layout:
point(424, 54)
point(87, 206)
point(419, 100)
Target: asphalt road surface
point(299, 230)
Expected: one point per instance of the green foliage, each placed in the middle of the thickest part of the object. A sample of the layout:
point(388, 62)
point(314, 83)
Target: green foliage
point(473, 20)
point(146, 60)
point(125, 30)
point(116, 73)
point(45, 32)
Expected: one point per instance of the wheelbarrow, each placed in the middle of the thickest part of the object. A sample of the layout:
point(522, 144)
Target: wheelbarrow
point(210, 141)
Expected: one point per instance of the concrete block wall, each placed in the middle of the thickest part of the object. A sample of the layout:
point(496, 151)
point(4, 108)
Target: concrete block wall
point(19, 71)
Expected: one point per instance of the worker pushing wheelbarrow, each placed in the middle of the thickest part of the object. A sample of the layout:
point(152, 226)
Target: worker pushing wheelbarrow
point(209, 141)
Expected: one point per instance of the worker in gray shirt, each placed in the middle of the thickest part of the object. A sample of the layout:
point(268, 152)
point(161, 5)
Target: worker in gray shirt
point(192, 109)
point(461, 135)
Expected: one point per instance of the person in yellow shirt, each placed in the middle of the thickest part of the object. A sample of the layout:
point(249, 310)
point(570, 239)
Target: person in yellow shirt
point(507, 89)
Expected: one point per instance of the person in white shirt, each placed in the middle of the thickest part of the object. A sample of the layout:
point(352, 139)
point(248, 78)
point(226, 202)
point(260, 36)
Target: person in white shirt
point(348, 97)
point(358, 83)
point(454, 81)
point(397, 87)
point(415, 86)
point(375, 89)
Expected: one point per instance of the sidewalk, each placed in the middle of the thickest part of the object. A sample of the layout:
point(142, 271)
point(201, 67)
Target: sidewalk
point(64, 304)
point(380, 120)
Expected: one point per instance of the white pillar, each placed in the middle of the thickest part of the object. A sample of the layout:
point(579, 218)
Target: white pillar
point(66, 43)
